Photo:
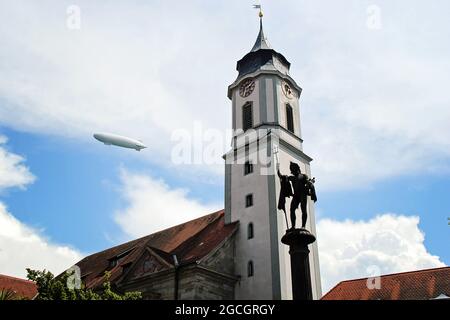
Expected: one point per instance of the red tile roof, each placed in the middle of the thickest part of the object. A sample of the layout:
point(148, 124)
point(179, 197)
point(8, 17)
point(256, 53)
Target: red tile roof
point(190, 241)
point(22, 288)
point(414, 285)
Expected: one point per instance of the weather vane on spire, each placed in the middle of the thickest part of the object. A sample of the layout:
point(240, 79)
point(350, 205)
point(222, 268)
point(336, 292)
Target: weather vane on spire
point(258, 6)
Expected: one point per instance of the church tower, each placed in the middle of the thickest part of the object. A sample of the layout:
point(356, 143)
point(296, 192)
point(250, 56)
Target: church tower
point(266, 121)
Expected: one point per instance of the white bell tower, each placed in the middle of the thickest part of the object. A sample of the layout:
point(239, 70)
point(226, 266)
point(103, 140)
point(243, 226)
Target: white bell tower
point(265, 116)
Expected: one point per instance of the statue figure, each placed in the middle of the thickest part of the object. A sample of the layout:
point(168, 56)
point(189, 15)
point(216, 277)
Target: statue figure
point(298, 186)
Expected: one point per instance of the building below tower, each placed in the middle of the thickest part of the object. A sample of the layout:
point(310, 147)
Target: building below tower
point(193, 260)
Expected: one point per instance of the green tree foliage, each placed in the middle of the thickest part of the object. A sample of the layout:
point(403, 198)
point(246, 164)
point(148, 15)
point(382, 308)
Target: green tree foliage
point(51, 288)
point(8, 294)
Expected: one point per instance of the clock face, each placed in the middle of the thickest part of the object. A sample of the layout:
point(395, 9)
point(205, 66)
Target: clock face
point(247, 88)
point(287, 90)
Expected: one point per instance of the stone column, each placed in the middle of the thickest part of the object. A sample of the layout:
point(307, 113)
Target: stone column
point(298, 241)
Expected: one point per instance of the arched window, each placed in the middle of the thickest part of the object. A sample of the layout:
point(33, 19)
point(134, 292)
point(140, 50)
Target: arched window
point(250, 270)
point(247, 116)
point(250, 231)
point(289, 118)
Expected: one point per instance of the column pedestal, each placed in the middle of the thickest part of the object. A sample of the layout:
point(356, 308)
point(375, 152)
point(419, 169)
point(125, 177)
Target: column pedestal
point(298, 241)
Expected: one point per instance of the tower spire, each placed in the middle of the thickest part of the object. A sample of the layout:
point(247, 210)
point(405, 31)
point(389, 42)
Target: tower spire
point(261, 41)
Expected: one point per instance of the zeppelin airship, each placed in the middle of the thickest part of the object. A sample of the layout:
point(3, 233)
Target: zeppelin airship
point(120, 141)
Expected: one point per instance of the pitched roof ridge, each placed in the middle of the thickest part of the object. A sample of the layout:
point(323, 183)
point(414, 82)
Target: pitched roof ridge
point(123, 253)
point(115, 247)
point(395, 278)
point(157, 250)
point(332, 289)
point(194, 236)
point(398, 273)
point(133, 252)
point(220, 212)
point(161, 253)
point(261, 42)
point(151, 235)
point(234, 226)
point(16, 278)
point(384, 276)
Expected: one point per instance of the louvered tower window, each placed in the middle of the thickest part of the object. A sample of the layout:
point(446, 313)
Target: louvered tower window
point(289, 118)
point(247, 116)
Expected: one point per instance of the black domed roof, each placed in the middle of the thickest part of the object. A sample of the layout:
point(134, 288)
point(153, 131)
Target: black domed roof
point(263, 57)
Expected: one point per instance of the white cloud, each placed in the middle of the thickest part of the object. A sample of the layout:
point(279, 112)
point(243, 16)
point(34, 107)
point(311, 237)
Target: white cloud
point(152, 205)
point(13, 173)
point(373, 109)
point(392, 243)
point(348, 249)
point(135, 78)
point(23, 247)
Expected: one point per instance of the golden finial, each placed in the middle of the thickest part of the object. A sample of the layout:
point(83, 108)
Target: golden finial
point(258, 6)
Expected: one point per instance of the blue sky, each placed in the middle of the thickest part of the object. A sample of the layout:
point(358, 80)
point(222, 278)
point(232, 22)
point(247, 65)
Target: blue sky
point(78, 189)
point(374, 117)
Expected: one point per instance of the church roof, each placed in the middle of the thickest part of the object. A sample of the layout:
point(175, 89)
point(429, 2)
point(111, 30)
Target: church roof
point(22, 288)
point(262, 57)
point(414, 285)
point(261, 41)
point(190, 241)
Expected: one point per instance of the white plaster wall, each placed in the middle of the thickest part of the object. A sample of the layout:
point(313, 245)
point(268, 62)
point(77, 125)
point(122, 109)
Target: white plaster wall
point(257, 249)
point(289, 138)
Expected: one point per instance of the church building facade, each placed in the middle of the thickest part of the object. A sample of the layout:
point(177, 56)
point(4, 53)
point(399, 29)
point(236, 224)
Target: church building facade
point(235, 253)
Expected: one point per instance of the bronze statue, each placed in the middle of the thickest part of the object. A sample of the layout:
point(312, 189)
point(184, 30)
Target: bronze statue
point(299, 187)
